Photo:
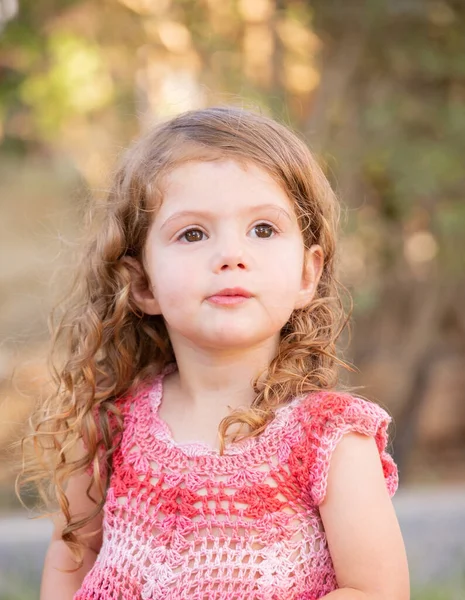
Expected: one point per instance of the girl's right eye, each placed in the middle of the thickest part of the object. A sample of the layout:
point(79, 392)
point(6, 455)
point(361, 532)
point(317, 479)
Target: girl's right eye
point(192, 235)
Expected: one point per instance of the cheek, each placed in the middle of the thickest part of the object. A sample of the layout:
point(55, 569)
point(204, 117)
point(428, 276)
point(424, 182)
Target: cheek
point(285, 269)
point(174, 283)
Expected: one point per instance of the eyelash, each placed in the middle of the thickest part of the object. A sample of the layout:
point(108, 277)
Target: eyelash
point(272, 227)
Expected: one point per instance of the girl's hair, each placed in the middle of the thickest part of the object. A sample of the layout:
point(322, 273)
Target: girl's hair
point(107, 346)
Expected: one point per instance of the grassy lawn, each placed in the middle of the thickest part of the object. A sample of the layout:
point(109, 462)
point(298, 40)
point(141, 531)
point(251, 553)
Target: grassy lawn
point(452, 591)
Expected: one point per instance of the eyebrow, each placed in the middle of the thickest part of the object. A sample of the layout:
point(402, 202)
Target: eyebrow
point(206, 214)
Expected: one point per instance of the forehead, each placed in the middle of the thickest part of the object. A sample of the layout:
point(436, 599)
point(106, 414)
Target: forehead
point(221, 185)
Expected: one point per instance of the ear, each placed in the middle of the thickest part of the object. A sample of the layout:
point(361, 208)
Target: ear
point(313, 267)
point(141, 290)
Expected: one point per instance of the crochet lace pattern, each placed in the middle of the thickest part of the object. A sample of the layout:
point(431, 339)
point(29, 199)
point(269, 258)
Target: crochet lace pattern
point(183, 522)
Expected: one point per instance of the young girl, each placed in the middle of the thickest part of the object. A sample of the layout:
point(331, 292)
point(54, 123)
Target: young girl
point(196, 444)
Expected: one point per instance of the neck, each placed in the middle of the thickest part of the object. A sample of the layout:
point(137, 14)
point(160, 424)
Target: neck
point(214, 380)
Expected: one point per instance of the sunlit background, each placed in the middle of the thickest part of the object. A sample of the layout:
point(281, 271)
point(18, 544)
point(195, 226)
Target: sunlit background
point(377, 89)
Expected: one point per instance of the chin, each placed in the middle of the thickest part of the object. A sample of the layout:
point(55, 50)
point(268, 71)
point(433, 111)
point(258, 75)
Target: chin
point(224, 340)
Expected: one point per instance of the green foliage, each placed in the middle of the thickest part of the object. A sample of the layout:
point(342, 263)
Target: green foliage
point(75, 82)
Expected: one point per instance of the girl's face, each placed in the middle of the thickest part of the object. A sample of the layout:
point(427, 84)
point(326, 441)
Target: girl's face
point(221, 227)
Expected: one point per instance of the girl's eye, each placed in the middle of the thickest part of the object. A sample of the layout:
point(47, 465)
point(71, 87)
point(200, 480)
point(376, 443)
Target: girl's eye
point(263, 230)
point(192, 235)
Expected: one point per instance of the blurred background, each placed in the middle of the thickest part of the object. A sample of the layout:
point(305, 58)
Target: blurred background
point(377, 88)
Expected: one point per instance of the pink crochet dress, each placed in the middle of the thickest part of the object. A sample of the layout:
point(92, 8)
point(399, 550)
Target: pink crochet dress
point(183, 522)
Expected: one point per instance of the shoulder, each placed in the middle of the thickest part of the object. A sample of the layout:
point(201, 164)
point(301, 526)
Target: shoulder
point(359, 520)
point(328, 418)
point(352, 479)
point(328, 415)
point(338, 408)
point(105, 429)
point(140, 395)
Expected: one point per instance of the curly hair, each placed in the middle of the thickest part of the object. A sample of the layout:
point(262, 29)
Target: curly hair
point(106, 346)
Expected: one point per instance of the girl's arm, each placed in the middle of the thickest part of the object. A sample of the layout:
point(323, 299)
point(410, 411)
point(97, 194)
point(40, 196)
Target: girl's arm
point(56, 583)
point(363, 534)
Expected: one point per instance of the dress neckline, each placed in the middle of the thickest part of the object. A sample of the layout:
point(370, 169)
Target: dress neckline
point(255, 445)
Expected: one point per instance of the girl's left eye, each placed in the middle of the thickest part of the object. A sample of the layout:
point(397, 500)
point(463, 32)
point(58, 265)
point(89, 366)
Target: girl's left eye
point(264, 230)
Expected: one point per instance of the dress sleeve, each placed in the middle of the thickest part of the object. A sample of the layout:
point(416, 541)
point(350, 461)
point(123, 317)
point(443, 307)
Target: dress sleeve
point(332, 416)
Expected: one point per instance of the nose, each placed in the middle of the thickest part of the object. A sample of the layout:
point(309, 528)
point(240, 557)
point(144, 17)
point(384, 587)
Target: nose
point(231, 263)
point(230, 254)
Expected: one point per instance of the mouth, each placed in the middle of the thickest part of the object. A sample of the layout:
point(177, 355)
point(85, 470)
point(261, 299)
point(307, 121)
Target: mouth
point(237, 291)
point(230, 296)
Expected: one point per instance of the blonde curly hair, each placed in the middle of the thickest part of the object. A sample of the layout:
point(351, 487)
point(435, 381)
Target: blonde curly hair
point(107, 346)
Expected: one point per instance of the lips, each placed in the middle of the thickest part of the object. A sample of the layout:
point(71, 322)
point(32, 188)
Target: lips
point(233, 292)
point(230, 296)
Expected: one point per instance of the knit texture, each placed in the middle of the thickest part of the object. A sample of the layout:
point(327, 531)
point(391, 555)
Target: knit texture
point(183, 522)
